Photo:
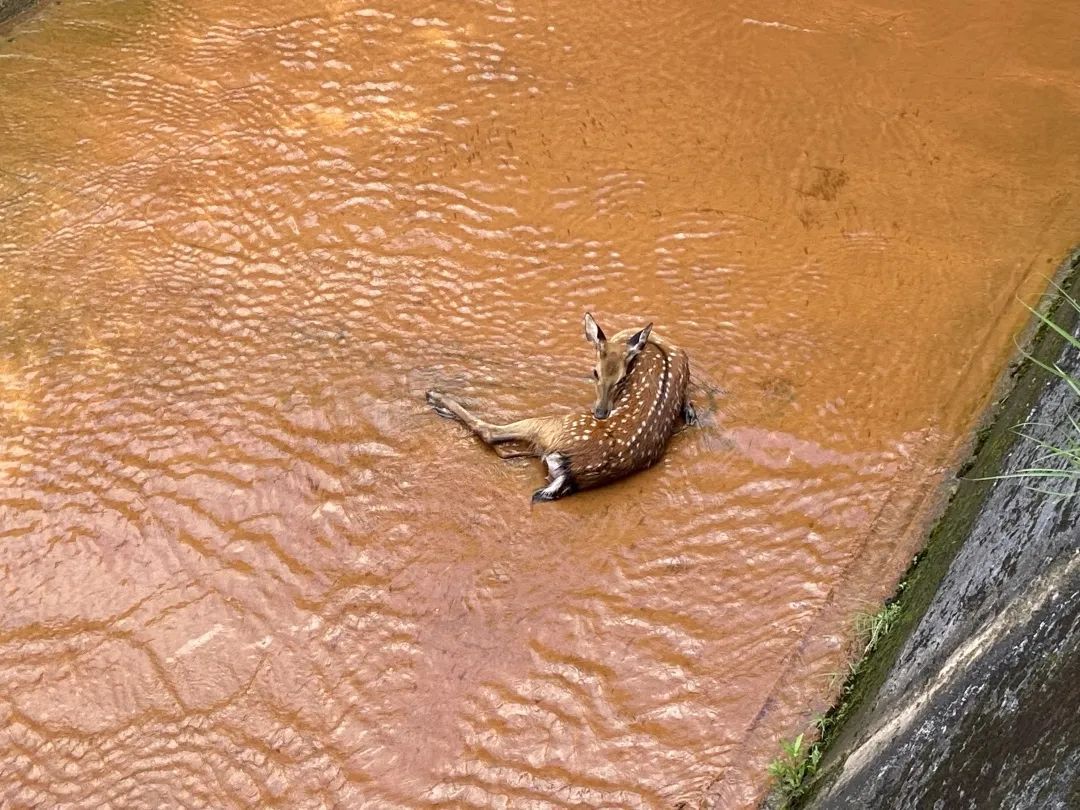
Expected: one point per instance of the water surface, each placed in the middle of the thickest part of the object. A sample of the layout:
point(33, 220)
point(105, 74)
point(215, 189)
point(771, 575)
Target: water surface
point(243, 565)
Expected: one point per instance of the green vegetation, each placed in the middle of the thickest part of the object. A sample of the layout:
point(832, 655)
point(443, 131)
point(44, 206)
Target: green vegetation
point(1059, 461)
point(798, 761)
point(796, 764)
point(874, 627)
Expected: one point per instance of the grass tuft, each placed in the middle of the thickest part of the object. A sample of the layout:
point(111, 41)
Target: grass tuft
point(874, 627)
point(794, 766)
point(1059, 458)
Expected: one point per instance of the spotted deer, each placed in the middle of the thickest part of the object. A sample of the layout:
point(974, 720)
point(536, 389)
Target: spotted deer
point(641, 398)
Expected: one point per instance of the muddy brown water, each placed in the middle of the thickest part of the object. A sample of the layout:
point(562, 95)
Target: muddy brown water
point(244, 566)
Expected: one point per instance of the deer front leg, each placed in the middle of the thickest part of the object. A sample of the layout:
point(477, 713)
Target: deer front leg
point(559, 482)
point(689, 414)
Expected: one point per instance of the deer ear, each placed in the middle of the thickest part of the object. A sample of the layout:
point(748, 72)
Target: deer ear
point(637, 342)
point(593, 333)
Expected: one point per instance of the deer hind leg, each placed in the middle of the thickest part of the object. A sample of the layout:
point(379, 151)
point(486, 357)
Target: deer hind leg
point(532, 431)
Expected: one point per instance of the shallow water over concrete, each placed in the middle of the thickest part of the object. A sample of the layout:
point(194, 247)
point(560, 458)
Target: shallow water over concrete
point(244, 565)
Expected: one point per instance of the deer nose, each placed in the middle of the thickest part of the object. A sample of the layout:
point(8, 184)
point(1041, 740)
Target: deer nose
point(601, 412)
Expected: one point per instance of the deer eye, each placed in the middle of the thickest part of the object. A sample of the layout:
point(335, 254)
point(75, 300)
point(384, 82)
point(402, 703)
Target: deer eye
point(595, 374)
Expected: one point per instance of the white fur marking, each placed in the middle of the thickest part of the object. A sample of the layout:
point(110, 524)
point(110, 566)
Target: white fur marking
point(554, 486)
point(555, 462)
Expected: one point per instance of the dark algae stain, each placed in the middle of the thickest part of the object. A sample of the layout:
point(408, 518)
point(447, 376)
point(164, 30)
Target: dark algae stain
point(825, 183)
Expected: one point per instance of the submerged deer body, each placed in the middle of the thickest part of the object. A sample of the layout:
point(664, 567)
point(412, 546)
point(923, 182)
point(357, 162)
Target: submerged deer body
point(641, 387)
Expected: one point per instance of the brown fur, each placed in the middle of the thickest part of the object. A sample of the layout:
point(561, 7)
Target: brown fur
point(646, 392)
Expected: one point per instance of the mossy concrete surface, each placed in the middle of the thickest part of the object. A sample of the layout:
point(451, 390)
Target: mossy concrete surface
point(974, 701)
point(9, 8)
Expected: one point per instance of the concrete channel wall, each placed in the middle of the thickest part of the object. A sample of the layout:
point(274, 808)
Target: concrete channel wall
point(980, 707)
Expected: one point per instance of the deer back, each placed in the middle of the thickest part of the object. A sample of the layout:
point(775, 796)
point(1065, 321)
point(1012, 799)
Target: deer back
point(647, 412)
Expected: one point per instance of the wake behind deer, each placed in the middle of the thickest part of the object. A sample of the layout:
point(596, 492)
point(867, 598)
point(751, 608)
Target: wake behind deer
point(641, 398)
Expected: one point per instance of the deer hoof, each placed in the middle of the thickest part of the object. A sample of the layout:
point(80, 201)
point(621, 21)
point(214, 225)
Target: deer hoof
point(558, 488)
point(689, 414)
point(438, 404)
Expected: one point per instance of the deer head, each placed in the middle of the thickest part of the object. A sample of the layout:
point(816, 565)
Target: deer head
point(612, 363)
